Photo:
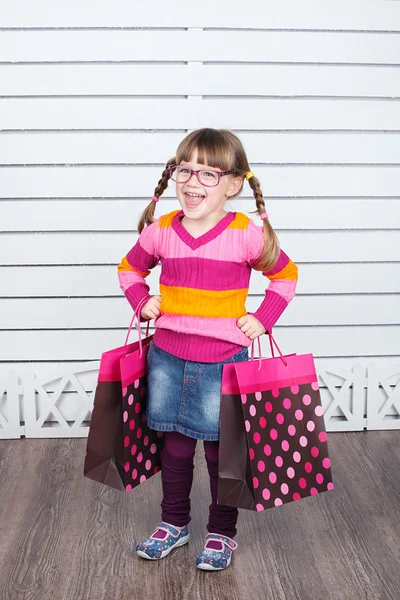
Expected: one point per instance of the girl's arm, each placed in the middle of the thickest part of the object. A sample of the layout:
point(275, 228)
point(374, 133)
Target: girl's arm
point(136, 265)
point(282, 285)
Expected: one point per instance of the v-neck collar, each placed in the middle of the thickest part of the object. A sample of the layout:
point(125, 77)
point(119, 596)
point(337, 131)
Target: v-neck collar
point(195, 243)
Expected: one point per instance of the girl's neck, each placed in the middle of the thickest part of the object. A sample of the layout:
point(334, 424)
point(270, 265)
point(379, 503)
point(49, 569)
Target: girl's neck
point(198, 227)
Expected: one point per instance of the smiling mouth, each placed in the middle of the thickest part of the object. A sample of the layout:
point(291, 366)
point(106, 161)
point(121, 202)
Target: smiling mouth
point(193, 200)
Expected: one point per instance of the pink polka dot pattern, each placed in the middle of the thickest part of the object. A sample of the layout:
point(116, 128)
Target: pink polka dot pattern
point(266, 494)
point(244, 398)
point(267, 450)
point(142, 445)
point(286, 403)
point(288, 454)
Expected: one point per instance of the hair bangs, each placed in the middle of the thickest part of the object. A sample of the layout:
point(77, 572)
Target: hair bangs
point(212, 148)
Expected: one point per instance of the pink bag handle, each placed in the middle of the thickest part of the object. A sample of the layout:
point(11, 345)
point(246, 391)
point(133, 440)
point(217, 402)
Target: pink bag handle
point(271, 339)
point(137, 314)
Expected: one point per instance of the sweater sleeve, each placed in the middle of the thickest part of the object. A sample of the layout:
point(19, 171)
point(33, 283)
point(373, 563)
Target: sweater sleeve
point(282, 282)
point(136, 265)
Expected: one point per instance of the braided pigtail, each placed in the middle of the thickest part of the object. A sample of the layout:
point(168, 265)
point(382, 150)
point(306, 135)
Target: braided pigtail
point(147, 217)
point(270, 253)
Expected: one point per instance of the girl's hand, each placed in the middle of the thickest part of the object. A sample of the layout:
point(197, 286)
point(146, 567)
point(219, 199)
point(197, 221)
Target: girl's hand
point(250, 326)
point(152, 308)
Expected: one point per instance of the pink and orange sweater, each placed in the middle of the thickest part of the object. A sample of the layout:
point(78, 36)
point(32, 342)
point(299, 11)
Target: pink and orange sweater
point(204, 284)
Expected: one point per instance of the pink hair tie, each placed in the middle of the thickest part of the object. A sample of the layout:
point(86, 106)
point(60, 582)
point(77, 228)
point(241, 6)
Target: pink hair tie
point(155, 199)
point(264, 216)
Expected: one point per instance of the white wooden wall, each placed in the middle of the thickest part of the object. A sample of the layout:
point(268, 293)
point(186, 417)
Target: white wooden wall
point(94, 98)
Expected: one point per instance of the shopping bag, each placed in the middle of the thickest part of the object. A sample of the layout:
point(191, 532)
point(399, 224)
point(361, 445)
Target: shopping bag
point(120, 444)
point(273, 443)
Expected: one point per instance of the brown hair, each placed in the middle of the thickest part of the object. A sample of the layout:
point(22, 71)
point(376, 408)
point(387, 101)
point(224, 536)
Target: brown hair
point(221, 149)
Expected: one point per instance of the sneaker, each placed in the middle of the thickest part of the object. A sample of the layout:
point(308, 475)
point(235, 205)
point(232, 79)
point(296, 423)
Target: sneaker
point(165, 538)
point(217, 552)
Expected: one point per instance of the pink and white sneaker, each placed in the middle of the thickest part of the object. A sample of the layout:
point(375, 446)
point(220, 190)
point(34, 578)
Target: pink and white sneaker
point(217, 552)
point(165, 538)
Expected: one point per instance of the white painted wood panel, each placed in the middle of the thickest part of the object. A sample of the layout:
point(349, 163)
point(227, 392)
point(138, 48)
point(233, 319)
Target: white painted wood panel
point(84, 345)
point(120, 215)
point(107, 313)
point(92, 281)
point(199, 79)
point(156, 148)
point(311, 14)
point(97, 105)
point(109, 248)
point(197, 45)
point(235, 113)
point(140, 181)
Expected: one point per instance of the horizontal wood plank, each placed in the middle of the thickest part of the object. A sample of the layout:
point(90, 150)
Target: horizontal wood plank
point(84, 345)
point(196, 79)
point(233, 113)
point(108, 313)
point(311, 14)
point(140, 181)
point(109, 248)
point(197, 45)
point(94, 281)
point(71, 148)
point(117, 215)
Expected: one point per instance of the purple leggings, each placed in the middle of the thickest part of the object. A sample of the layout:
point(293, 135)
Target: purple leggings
point(177, 475)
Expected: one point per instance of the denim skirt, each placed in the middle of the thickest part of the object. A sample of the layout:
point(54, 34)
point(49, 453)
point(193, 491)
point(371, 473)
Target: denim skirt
point(183, 395)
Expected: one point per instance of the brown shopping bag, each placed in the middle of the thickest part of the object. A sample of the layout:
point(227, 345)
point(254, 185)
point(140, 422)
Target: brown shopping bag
point(122, 451)
point(273, 444)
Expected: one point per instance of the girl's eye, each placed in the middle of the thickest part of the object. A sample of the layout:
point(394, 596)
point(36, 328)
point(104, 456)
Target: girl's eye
point(209, 174)
point(183, 170)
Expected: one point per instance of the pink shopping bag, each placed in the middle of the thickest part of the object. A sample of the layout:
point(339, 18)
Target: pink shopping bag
point(273, 442)
point(122, 451)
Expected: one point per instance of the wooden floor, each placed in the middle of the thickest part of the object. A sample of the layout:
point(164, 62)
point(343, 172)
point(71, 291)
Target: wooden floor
point(64, 537)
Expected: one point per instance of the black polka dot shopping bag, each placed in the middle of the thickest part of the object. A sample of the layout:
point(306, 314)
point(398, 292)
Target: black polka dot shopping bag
point(122, 451)
point(273, 443)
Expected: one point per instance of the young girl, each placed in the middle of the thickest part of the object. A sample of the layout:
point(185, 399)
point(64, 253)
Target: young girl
point(201, 321)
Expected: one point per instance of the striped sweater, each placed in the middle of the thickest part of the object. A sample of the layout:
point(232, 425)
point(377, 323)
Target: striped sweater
point(204, 284)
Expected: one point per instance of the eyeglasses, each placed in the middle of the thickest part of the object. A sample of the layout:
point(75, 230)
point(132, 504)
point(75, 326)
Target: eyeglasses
point(207, 177)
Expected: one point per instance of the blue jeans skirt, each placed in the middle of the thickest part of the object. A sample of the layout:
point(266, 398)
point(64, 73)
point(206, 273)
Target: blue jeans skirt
point(183, 395)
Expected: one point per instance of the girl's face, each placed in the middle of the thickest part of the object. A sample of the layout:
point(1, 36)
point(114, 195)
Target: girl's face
point(198, 201)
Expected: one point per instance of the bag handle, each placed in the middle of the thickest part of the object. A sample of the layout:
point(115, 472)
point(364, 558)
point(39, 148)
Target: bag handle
point(137, 314)
point(271, 340)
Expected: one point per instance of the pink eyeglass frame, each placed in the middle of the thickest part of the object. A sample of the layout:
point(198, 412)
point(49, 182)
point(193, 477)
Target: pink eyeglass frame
point(192, 172)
